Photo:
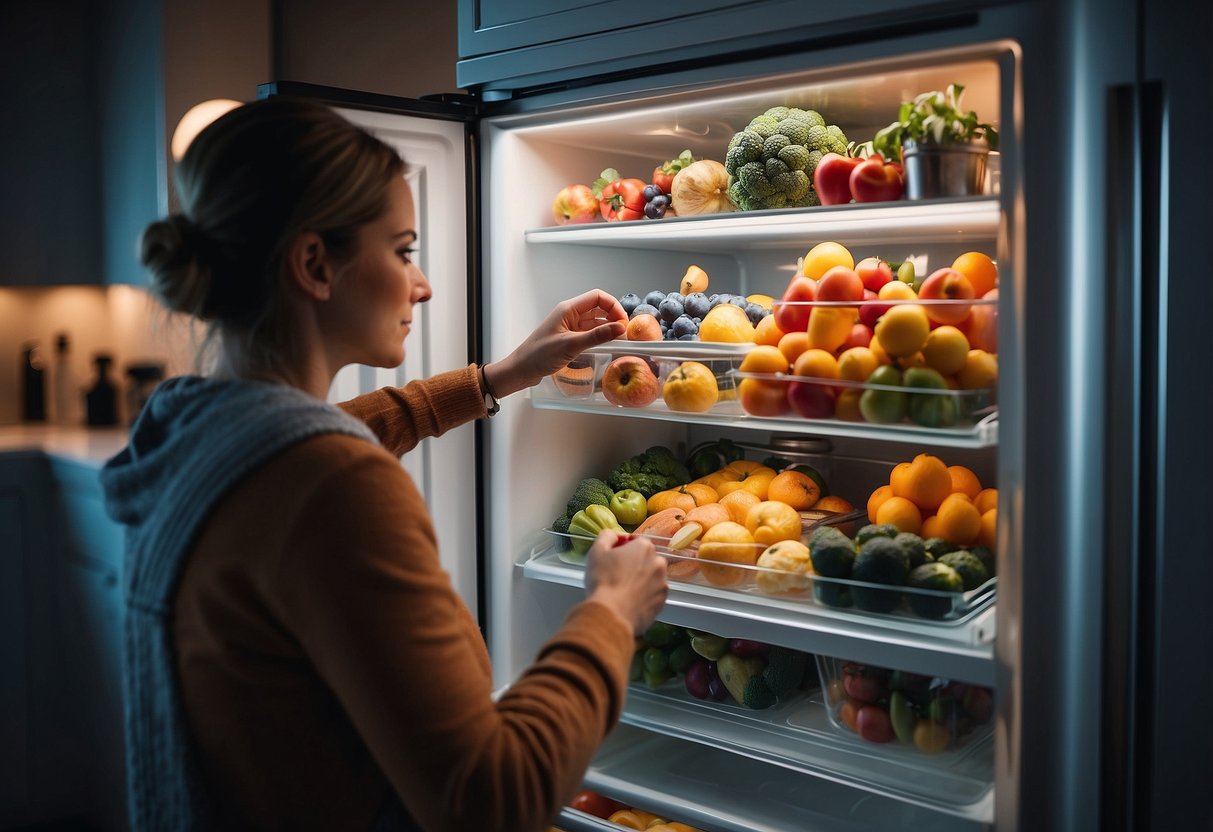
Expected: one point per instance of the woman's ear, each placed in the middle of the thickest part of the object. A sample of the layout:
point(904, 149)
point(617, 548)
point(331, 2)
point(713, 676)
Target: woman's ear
point(307, 266)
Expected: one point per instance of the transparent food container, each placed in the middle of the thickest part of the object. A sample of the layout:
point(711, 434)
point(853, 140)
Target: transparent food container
point(908, 713)
point(787, 576)
point(634, 375)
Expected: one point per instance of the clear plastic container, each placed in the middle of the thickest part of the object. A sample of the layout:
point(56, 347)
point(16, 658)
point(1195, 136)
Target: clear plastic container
point(905, 712)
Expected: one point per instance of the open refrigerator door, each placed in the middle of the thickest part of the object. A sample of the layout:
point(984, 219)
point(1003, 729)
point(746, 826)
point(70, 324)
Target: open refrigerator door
point(889, 719)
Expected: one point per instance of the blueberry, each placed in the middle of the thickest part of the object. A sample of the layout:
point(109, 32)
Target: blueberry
point(644, 309)
point(670, 309)
point(654, 210)
point(685, 325)
point(654, 299)
point(678, 296)
point(668, 335)
point(696, 304)
point(661, 199)
point(690, 336)
point(713, 299)
point(629, 302)
point(737, 300)
point(651, 191)
point(755, 312)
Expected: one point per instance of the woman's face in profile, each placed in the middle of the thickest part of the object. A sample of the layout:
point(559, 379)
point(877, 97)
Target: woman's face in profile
point(377, 294)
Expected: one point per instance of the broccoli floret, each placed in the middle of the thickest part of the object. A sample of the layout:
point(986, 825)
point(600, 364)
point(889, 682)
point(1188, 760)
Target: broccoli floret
point(785, 670)
point(757, 694)
point(771, 162)
point(654, 470)
point(561, 526)
point(589, 492)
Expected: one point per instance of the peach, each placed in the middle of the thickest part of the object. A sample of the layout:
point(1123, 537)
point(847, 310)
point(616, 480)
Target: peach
point(947, 284)
point(643, 327)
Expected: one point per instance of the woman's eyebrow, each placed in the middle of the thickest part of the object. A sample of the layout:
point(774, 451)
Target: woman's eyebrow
point(408, 232)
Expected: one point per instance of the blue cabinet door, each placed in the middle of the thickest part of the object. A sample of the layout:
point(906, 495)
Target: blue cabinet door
point(511, 45)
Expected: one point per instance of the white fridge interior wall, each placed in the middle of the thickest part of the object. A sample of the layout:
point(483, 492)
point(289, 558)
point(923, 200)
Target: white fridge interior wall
point(537, 456)
point(444, 467)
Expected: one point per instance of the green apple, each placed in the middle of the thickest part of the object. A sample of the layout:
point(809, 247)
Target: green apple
point(931, 409)
point(629, 507)
point(883, 406)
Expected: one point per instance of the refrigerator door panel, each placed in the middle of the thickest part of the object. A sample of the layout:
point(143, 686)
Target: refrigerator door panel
point(1174, 668)
point(443, 467)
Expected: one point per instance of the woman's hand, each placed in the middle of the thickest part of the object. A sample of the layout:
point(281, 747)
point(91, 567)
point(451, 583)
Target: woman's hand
point(626, 574)
point(570, 329)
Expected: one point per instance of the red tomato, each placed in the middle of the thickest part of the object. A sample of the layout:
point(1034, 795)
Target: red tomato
point(593, 803)
point(622, 199)
point(663, 180)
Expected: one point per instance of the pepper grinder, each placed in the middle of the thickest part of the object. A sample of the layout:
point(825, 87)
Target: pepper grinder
point(101, 400)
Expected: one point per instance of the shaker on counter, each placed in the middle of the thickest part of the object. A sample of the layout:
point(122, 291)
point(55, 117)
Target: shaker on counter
point(64, 385)
point(101, 400)
point(141, 381)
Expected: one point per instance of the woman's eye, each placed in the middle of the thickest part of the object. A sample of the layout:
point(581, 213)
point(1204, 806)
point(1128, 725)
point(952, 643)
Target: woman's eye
point(406, 253)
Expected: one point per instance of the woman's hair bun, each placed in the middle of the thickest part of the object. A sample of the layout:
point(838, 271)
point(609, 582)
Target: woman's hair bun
point(171, 252)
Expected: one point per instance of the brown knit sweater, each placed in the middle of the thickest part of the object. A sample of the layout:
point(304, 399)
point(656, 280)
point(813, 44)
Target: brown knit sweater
point(326, 660)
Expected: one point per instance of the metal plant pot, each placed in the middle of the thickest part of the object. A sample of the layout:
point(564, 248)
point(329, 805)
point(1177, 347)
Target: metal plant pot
point(945, 169)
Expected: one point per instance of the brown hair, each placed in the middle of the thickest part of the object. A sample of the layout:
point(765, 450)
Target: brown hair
point(248, 185)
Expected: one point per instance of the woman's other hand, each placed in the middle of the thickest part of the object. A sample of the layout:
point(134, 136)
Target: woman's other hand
point(626, 574)
point(570, 329)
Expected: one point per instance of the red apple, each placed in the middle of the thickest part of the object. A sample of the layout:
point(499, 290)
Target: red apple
point(875, 181)
point(874, 273)
point(628, 381)
point(811, 399)
point(860, 336)
point(795, 318)
point(946, 284)
point(870, 312)
point(840, 283)
point(575, 204)
point(832, 178)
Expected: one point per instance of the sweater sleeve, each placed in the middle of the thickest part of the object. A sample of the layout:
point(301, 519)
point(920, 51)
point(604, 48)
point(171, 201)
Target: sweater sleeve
point(403, 416)
point(378, 617)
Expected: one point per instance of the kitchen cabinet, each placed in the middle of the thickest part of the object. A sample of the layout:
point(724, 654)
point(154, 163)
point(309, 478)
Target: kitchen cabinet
point(506, 47)
point(61, 752)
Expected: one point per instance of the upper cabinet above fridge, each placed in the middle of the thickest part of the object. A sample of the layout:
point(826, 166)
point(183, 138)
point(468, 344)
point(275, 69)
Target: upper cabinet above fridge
point(508, 47)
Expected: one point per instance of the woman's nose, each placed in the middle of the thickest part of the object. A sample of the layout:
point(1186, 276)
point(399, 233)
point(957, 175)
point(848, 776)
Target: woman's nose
point(422, 290)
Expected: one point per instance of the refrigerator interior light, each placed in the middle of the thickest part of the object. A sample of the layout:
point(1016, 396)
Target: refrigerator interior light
point(196, 119)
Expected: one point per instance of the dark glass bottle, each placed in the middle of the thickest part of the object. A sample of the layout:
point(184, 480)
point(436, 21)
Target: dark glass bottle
point(101, 400)
point(34, 378)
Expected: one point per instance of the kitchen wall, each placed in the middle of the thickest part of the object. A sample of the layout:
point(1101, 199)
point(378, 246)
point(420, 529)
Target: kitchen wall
point(402, 47)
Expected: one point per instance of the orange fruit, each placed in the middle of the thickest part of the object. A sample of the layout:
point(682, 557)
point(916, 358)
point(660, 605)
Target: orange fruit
point(792, 344)
point(760, 397)
point(764, 358)
point(959, 519)
point(727, 543)
point(964, 481)
point(726, 323)
point(702, 492)
point(746, 466)
point(823, 257)
point(671, 498)
point(980, 371)
point(691, 387)
point(876, 499)
point(834, 503)
point(847, 407)
point(756, 482)
point(986, 499)
point(857, 363)
point(946, 350)
point(925, 483)
point(708, 515)
point(738, 503)
point(798, 490)
point(901, 513)
point(989, 529)
point(771, 521)
point(815, 363)
point(930, 527)
point(981, 271)
point(903, 330)
point(882, 357)
point(768, 332)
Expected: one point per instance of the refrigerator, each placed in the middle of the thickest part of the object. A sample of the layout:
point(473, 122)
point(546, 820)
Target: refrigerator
point(1100, 670)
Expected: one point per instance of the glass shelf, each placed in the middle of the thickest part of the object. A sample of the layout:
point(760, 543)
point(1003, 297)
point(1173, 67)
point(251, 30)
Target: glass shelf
point(959, 221)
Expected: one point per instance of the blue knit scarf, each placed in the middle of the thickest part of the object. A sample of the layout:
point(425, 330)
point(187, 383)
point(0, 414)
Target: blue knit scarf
point(195, 439)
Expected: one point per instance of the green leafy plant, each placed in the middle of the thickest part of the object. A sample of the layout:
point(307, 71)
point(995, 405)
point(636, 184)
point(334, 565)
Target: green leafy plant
point(933, 117)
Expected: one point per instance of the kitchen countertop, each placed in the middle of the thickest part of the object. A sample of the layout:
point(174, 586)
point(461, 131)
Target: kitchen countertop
point(87, 446)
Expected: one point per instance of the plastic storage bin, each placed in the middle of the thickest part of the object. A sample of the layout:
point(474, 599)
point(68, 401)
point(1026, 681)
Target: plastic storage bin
point(906, 712)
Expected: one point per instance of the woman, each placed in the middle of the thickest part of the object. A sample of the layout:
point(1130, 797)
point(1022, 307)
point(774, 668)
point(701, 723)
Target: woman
point(296, 656)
